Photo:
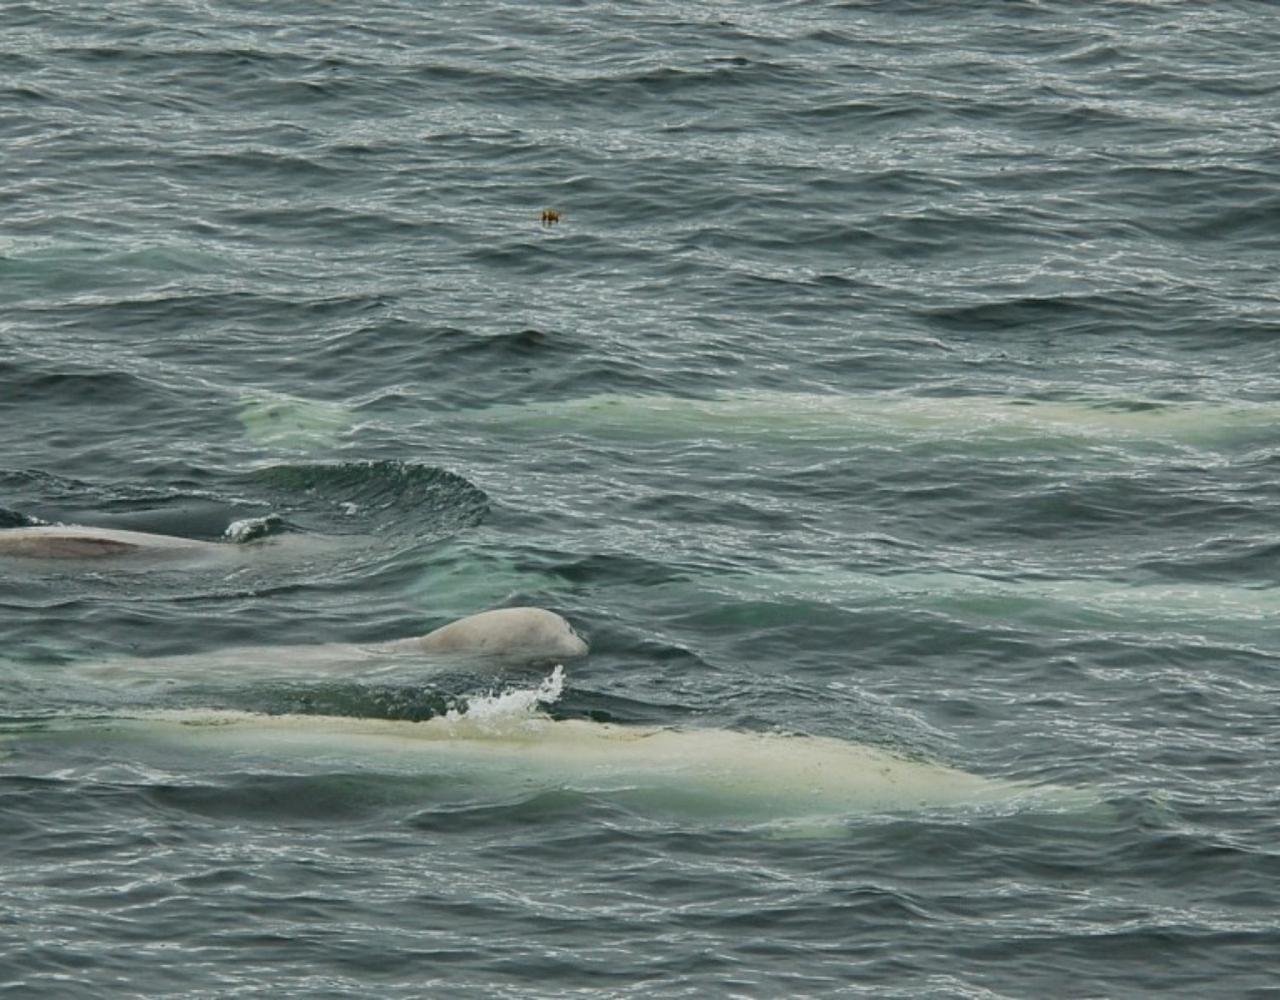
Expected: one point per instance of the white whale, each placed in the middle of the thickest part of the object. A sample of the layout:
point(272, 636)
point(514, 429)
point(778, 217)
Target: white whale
point(715, 775)
point(533, 633)
point(828, 417)
point(74, 542)
point(489, 639)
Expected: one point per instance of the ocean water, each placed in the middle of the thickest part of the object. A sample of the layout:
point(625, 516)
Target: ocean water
point(894, 407)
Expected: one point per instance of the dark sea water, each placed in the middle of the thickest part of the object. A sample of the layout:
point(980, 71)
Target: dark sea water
point(902, 374)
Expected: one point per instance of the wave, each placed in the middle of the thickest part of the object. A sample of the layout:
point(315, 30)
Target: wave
point(383, 497)
point(306, 532)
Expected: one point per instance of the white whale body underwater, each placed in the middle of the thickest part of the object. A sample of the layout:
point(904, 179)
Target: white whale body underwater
point(501, 746)
point(770, 415)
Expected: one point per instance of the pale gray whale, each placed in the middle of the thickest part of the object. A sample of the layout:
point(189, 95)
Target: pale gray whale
point(503, 633)
point(495, 639)
point(533, 632)
point(73, 542)
point(503, 747)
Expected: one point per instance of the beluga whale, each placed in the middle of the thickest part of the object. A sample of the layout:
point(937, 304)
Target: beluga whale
point(130, 549)
point(502, 748)
point(75, 542)
point(486, 642)
point(528, 634)
point(532, 632)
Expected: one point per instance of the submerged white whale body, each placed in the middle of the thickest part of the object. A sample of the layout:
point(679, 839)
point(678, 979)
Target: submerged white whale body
point(713, 775)
point(762, 414)
point(279, 420)
point(825, 417)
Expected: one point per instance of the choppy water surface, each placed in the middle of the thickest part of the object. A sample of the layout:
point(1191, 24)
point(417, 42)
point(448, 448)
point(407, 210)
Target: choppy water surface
point(899, 375)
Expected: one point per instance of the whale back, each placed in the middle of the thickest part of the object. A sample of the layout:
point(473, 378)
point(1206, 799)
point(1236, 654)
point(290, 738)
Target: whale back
point(528, 633)
point(691, 774)
point(71, 542)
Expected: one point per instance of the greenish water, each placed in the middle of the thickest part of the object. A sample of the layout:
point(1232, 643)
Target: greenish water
point(898, 376)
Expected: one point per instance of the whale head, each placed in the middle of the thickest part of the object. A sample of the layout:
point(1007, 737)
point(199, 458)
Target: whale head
point(533, 634)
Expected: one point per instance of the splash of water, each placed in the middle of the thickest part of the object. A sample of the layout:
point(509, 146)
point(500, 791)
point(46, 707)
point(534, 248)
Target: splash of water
point(504, 711)
point(252, 528)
